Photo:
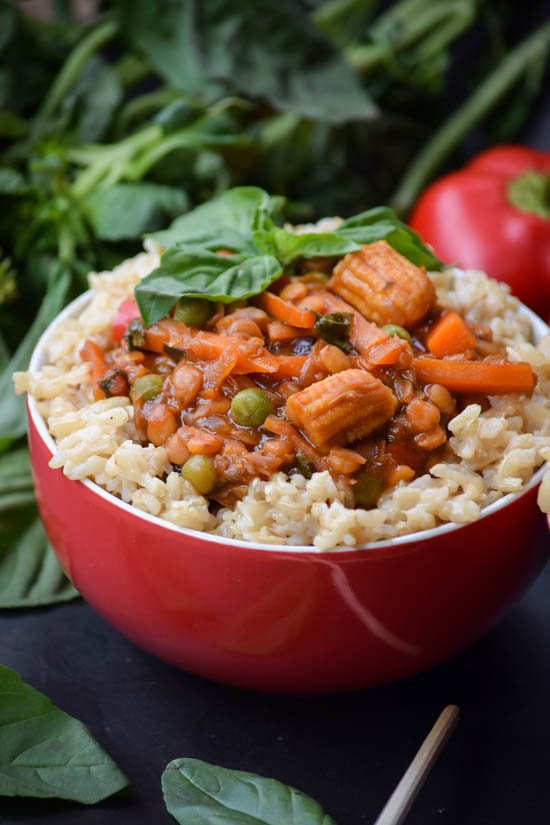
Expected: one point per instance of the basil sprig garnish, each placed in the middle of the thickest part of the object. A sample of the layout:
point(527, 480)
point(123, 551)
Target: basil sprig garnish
point(243, 222)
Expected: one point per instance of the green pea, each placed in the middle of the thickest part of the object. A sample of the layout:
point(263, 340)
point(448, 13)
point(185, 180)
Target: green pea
point(193, 312)
point(367, 490)
point(146, 388)
point(200, 471)
point(250, 408)
point(395, 331)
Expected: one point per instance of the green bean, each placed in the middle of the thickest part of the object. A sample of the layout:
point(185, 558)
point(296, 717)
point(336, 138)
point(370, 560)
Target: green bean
point(250, 408)
point(200, 471)
point(395, 331)
point(367, 490)
point(193, 312)
point(146, 388)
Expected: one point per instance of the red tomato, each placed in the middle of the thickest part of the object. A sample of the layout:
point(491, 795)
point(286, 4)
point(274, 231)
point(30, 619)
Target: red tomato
point(126, 312)
point(494, 215)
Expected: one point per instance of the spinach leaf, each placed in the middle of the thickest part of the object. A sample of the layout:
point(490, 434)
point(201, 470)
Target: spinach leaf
point(127, 210)
point(288, 247)
point(29, 573)
point(93, 100)
point(44, 752)
point(381, 223)
point(12, 407)
point(197, 793)
point(224, 222)
point(197, 273)
point(262, 49)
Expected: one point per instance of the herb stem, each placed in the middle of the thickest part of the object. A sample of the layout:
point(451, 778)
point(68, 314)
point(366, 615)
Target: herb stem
point(71, 68)
point(495, 86)
point(108, 164)
point(439, 24)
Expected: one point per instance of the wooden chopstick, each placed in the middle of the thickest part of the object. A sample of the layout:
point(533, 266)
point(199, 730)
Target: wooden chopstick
point(399, 804)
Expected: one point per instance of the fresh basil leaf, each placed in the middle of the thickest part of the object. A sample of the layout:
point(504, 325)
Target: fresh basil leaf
point(12, 407)
point(224, 222)
point(197, 793)
point(262, 50)
point(44, 752)
point(381, 223)
point(196, 273)
point(288, 247)
point(127, 210)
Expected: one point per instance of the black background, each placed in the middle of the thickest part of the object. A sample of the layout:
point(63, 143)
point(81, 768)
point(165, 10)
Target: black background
point(347, 751)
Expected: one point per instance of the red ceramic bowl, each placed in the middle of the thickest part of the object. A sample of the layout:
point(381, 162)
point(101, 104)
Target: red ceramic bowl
point(280, 618)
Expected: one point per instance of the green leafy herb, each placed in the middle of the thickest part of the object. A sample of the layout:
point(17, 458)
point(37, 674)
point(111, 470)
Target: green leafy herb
point(226, 222)
point(334, 328)
point(288, 247)
point(199, 793)
point(242, 220)
point(29, 573)
point(127, 210)
point(267, 50)
point(196, 273)
point(381, 223)
point(44, 752)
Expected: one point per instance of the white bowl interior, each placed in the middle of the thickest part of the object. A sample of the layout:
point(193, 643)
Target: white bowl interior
point(71, 310)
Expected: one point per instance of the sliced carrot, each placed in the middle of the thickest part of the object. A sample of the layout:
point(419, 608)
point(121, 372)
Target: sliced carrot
point(387, 353)
point(285, 311)
point(277, 332)
point(290, 366)
point(93, 354)
point(476, 377)
point(215, 372)
point(450, 335)
point(208, 346)
point(368, 339)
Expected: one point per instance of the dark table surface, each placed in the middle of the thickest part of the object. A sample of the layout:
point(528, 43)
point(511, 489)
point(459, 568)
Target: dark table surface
point(347, 751)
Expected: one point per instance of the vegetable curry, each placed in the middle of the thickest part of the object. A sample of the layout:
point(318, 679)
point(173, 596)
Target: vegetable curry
point(346, 365)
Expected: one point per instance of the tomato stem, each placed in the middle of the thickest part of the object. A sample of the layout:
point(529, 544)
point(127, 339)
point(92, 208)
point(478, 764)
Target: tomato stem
point(495, 86)
point(530, 192)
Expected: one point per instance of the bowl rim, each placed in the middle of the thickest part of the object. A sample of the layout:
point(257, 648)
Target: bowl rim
point(540, 328)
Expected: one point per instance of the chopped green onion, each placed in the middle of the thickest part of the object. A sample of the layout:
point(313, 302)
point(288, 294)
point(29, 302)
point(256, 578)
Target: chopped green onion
point(395, 331)
point(146, 388)
point(334, 328)
point(367, 490)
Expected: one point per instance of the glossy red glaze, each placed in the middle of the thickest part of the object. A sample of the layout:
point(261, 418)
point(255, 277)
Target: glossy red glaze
point(286, 620)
